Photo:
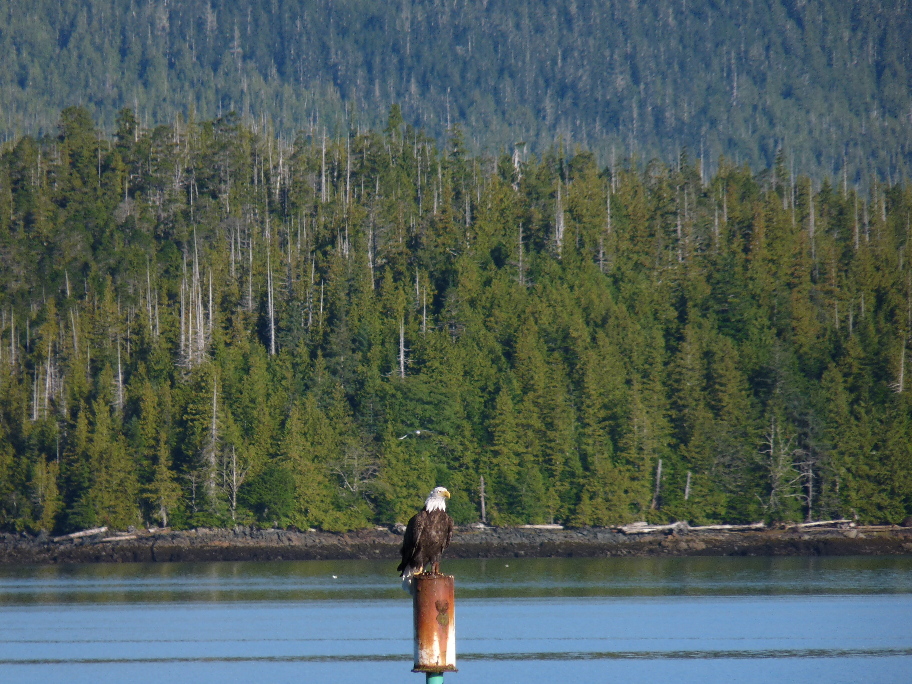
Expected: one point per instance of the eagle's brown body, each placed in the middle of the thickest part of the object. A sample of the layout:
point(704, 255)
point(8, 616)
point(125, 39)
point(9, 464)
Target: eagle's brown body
point(428, 533)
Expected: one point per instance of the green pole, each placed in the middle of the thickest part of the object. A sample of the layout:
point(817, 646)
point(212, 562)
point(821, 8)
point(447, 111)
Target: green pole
point(434, 678)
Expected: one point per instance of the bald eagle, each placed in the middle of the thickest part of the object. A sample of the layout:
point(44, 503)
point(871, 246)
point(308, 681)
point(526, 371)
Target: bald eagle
point(428, 533)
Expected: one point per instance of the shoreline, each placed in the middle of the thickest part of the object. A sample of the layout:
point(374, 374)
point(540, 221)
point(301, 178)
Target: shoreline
point(242, 543)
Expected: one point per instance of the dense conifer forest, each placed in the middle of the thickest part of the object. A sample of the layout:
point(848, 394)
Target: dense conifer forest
point(203, 324)
point(828, 81)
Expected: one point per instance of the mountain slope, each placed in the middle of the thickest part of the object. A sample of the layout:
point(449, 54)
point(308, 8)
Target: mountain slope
point(830, 82)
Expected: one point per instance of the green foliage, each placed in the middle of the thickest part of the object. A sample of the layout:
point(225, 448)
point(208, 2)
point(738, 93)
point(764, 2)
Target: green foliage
point(270, 495)
point(203, 324)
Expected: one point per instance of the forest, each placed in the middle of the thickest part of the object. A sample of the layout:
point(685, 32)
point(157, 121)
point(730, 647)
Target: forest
point(203, 324)
point(828, 81)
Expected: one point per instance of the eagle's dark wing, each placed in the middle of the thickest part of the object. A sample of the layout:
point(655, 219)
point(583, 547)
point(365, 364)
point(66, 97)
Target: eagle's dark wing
point(449, 532)
point(411, 540)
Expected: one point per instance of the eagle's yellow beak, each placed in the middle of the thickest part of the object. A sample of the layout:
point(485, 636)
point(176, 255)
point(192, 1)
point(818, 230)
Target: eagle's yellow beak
point(445, 493)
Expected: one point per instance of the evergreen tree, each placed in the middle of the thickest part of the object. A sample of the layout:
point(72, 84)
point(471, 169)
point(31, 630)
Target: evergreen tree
point(205, 324)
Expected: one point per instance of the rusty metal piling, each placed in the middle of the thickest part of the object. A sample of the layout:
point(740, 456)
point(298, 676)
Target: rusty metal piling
point(433, 602)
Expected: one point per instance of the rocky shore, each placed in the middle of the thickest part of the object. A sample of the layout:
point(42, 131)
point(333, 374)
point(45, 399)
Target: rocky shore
point(242, 543)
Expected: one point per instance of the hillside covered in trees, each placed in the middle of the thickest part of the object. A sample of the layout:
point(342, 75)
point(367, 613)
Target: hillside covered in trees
point(201, 324)
point(828, 81)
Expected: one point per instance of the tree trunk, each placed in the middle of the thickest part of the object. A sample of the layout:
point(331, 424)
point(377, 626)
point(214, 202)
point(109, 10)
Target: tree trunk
point(655, 496)
point(402, 348)
point(482, 494)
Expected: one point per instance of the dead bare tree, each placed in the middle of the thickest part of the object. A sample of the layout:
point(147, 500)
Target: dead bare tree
point(559, 222)
point(233, 476)
point(658, 487)
point(356, 468)
point(402, 349)
point(782, 458)
point(271, 305)
point(900, 384)
point(481, 493)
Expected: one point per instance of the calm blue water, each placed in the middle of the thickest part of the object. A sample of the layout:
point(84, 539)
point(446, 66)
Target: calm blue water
point(523, 621)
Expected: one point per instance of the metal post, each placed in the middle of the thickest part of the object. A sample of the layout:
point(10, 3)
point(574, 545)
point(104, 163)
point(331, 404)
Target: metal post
point(435, 625)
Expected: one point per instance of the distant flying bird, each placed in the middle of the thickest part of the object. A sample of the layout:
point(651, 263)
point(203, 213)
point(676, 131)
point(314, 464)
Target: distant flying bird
point(428, 533)
point(417, 433)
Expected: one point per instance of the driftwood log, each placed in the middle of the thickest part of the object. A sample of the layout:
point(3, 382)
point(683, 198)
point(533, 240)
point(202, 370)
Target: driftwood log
point(646, 528)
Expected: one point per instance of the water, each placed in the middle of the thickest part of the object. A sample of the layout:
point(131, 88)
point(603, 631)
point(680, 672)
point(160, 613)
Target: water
point(519, 620)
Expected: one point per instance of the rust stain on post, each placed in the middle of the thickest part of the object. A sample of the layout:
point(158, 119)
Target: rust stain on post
point(434, 604)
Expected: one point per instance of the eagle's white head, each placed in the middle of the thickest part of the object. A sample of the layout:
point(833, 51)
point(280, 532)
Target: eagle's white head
point(436, 500)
